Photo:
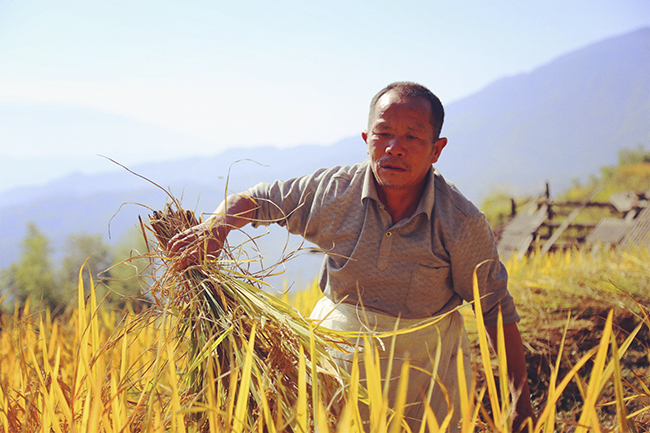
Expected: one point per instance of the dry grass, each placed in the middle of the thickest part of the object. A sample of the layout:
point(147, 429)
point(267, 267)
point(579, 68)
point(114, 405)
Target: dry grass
point(216, 353)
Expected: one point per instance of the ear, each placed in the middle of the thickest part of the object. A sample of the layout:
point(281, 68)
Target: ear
point(364, 135)
point(437, 148)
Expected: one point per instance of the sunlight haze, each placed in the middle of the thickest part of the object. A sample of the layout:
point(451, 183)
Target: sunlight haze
point(253, 73)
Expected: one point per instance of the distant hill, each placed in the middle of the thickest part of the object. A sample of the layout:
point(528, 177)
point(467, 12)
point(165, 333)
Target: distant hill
point(558, 122)
point(31, 135)
point(110, 203)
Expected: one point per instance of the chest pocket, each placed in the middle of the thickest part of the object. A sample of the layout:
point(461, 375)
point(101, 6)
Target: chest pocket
point(429, 290)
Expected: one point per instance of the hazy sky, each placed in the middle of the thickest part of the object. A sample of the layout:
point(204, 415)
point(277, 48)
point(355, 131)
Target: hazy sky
point(279, 72)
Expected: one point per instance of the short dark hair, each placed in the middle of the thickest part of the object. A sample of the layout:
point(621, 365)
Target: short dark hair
point(409, 89)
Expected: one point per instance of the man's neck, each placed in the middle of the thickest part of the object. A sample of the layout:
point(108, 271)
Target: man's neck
point(400, 203)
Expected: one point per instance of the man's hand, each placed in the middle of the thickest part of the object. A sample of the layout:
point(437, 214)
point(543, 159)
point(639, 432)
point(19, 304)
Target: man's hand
point(206, 240)
point(516, 372)
point(197, 243)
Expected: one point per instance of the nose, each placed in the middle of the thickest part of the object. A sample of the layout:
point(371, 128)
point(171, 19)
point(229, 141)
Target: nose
point(395, 147)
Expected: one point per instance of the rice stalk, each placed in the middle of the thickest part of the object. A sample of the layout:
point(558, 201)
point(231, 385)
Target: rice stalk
point(230, 324)
point(82, 372)
point(485, 352)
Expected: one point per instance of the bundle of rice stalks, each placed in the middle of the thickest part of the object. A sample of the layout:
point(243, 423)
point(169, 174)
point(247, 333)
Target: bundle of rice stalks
point(234, 331)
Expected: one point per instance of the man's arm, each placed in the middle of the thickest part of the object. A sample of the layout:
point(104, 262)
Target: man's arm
point(207, 239)
point(516, 370)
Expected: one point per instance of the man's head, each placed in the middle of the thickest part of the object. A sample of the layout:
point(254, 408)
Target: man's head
point(402, 139)
point(408, 89)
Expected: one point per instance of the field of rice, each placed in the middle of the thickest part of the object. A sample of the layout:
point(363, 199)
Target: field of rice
point(214, 353)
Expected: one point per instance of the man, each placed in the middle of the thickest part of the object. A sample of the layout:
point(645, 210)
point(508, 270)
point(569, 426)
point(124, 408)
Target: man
point(401, 246)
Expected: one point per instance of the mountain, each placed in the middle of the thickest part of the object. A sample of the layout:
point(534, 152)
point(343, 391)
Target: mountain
point(31, 136)
point(110, 203)
point(558, 122)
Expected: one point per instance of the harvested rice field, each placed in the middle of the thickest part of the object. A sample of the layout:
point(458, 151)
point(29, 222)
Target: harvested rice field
point(213, 352)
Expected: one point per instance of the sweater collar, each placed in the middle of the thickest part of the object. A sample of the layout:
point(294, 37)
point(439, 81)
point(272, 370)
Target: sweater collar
point(425, 206)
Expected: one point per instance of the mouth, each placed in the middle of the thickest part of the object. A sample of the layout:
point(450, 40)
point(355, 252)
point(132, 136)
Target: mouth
point(393, 166)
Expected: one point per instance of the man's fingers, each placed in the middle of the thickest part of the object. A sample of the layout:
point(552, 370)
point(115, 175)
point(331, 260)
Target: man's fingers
point(193, 245)
point(184, 239)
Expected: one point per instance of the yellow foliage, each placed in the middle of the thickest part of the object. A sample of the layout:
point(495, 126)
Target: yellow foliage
point(92, 370)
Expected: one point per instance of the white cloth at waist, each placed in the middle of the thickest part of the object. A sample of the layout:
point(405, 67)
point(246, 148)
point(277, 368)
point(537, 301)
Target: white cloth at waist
point(446, 333)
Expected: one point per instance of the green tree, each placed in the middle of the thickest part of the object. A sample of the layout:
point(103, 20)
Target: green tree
point(33, 275)
point(498, 207)
point(85, 248)
point(116, 270)
point(633, 156)
point(128, 276)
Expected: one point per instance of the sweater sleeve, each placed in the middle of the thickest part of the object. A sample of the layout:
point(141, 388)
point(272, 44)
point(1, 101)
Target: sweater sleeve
point(475, 250)
point(297, 204)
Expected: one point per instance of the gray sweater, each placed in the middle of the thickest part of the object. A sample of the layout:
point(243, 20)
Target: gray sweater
point(419, 267)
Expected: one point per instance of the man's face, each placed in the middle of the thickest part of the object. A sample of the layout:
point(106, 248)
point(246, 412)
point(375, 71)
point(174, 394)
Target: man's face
point(401, 141)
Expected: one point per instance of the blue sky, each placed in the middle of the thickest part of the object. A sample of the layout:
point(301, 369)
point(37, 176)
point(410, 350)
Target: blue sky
point(278, 72)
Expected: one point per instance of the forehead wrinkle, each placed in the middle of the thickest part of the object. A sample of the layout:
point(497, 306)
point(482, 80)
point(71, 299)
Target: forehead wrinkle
point(385, 106)
point(416, 127)
point(382, 123)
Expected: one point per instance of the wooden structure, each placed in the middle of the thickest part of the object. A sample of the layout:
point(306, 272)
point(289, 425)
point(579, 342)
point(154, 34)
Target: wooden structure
point(544, 225)
point(519, 233)
point(634, 229)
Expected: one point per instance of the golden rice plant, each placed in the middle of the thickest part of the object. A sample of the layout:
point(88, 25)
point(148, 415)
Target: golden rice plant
point(112, 378)
point(250, 349)
point(565, 299)
point(216, 353)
